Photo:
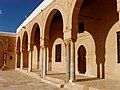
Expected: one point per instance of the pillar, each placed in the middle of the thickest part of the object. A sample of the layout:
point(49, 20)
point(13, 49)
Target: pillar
point(30, 61)
point(21, 61)
point(103, 70)
point(44, 62)
point(67, 61)
point(72, 62)
point(98, 70)
point(16, 59)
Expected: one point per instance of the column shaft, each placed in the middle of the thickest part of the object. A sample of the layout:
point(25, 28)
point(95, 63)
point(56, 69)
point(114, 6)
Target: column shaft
point(67, 63)
point(72, 63)
point(21, 63)
point(16, 60)
point(44, 62)
point(30, 61)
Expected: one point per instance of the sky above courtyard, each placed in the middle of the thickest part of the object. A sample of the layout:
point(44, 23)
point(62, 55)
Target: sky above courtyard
point(13, 12)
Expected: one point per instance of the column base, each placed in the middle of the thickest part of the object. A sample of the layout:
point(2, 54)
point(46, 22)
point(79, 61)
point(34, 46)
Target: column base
point(4, 67)
point(71, 81)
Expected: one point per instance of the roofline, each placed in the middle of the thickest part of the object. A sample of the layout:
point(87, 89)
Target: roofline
point(7, 34)
point(42, 6)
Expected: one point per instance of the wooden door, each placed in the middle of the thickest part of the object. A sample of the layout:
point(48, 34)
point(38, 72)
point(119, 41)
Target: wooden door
point(82, 60)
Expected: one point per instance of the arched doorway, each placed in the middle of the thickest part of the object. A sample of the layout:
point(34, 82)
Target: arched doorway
point(3, 49)
point(18, 53)
point(25, 50)
point(35, 43)
point(53, 33)
point(82, 59)
point(96, 17)
point(1, 55)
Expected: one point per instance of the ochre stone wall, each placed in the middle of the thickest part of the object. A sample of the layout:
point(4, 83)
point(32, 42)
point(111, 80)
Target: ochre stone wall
point(101, 21)
point(7, 51)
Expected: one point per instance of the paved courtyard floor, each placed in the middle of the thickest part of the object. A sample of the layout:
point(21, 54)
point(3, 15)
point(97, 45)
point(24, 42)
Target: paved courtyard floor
point(14, 80)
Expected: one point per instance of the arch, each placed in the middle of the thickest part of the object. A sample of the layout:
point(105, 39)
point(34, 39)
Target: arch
point(3, 48)
point(25, 38)
point(62, 69)
point(53, 30)
point(35, 26)
point(48, 23)
point(49, 16)
point(98, 22)
point(18, 52)
point(35, 45)
point(25, 50)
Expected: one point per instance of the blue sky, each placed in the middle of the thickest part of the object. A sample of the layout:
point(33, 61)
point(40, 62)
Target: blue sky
point(12, 13)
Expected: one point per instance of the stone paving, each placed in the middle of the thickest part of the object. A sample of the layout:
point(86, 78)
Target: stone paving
point(14, 80)
point(90, 83)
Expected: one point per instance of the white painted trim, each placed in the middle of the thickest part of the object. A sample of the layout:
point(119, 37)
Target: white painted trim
point(7, 34)
point(42, 6)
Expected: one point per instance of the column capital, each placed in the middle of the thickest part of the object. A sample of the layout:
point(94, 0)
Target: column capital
point(31, 47)
point(44, 42)
point(43, 46)
point(69, 41)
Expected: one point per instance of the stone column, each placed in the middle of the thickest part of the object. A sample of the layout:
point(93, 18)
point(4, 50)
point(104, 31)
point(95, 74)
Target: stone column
point(30, 61)
point(21, 61)
point(67, 61)
point(44, 62)
point(16, 54)
point(72, 62)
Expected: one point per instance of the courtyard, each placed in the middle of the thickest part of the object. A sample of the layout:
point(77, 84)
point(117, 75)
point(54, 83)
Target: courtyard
point(14, 80)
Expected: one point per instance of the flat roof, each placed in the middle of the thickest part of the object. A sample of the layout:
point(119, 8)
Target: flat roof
point(7, 34)
point(42, 6)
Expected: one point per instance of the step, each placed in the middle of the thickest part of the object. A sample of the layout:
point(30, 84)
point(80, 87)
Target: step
point(74, 86)
point(54, 79)
point(57, 82)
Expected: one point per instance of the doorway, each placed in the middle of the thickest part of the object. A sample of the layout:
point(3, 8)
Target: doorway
point(82, 60)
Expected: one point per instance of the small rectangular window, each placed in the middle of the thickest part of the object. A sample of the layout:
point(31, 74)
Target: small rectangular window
point(118, 46)
point(81, 27)
point(58, 53)
point(10, 57)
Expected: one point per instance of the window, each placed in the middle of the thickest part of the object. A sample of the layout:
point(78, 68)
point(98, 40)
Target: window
point(58, 53)
point(10, 57)
point(118, 46)
point(81, 27)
